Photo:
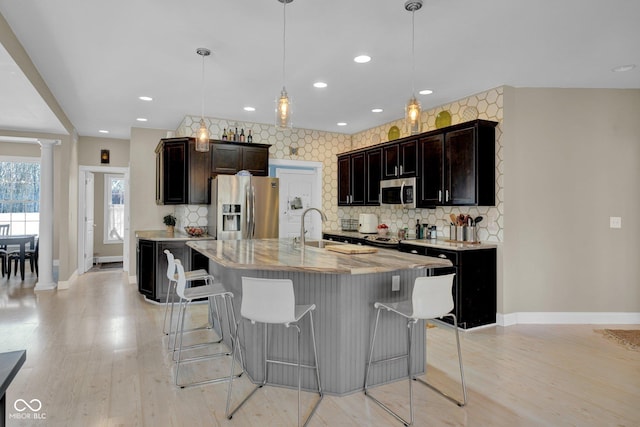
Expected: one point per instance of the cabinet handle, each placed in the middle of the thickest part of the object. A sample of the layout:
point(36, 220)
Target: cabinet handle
point(400, 169)
point(395, 171)
point(442, 256)
point(446, 195)
point(413, 251)
point(440, 195)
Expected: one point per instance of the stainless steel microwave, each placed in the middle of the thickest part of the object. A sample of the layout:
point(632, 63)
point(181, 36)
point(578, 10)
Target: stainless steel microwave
point(400, 193)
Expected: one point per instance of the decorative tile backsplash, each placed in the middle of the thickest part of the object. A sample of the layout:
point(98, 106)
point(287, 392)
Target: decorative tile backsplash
point(319, 146)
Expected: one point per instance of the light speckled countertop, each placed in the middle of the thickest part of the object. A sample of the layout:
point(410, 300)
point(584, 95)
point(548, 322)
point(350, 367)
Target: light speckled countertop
point(163, 235)
point(281, 255)
point(438, 243)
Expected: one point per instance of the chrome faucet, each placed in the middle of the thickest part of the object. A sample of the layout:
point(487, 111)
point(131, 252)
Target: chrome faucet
point(302, 230)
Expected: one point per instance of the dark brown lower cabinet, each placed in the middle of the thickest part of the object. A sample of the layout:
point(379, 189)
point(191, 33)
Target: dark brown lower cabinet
point(151, 268)
point(474, 287)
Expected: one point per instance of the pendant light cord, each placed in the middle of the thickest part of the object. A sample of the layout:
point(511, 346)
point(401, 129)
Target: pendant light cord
point(202, 91)
point(413, 53)
point(284, 37)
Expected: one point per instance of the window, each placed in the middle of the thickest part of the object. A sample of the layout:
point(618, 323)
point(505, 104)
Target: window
point(20, 194)
point(114, 208)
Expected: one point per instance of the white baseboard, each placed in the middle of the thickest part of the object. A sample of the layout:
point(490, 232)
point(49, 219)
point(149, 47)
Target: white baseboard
point(559, 318)
point(133, 280)
point(66, 284)
point(104, 259)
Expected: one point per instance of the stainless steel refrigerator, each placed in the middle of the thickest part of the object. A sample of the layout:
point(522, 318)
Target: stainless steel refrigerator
point(244, 207)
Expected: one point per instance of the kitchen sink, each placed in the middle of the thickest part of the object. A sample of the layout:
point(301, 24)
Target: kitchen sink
point(316, 243)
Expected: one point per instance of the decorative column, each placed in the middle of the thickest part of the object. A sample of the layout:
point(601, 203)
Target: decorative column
point(45, 256)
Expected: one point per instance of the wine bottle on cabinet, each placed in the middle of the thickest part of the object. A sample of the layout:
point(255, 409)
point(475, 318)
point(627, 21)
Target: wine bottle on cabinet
point(242, 135)
point(236, 136)
point(249, 137)
point(224, 134)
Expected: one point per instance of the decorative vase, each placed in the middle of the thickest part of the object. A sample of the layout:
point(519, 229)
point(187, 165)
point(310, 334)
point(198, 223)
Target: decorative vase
point(170, 229)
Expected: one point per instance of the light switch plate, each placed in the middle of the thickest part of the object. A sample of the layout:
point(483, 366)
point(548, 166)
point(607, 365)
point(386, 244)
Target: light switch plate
point(395, 283)
point(615, 222)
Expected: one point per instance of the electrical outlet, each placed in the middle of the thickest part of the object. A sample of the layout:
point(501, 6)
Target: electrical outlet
point(395, 283)
point(615, 222)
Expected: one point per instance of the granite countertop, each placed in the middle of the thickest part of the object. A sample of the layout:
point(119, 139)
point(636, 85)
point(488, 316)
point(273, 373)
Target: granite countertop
point(163, 236)
point(437, 243)
point(281, 255)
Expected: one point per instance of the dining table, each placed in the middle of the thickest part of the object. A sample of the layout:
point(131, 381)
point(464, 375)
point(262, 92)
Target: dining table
point(21, 241)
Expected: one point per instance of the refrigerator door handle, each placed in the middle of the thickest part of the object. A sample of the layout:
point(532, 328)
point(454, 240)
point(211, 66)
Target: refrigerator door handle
point(253, 211)
point(246, 232)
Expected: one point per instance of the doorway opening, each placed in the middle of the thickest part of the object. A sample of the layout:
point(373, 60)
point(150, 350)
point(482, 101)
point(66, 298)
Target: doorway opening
point(300, 188)
point(103, 217)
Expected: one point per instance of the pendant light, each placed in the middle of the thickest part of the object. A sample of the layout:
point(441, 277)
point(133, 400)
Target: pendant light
point(413, 110)
point(283, 107)
point(202, 140)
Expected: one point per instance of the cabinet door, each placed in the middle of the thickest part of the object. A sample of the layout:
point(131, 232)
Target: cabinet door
point(408, 151)
point(199, 175)
point(226, 159)
point(180, 251)
point(344, 180)
point(256, 160)
point(174, 179)
point(460, 172)
point(145, 267)
point(390, 160)
point(159, 177)
point(430, 192)
point(373, 168)
point(358, 179)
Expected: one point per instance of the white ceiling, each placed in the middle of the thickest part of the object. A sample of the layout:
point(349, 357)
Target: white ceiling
point(98, 57)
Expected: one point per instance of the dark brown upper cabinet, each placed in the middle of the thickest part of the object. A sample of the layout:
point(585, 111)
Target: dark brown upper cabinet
point(351, 179)
point(400, 160)
point(229, 158)
point(182, 173)
point(457, 166)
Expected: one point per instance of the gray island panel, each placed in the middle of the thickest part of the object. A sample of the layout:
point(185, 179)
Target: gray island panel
point(344, 309)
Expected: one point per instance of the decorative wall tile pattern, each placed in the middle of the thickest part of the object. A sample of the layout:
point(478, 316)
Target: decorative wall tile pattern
point(312, 145)
point(489, 107)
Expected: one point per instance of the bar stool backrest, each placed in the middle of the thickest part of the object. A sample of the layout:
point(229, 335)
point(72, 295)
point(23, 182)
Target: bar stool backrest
point(432, 296)
point(268, 300)
point(181, 279)
point(171, 265)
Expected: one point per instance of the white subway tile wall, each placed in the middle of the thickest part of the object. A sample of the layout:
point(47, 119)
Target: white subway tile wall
point(324, 146)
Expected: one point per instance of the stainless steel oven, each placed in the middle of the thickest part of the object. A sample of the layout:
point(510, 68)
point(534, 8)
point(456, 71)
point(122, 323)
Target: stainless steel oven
point(399, 193)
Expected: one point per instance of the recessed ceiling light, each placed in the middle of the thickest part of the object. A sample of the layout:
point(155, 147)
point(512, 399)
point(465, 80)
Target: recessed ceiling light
point(377, 110)
point(145, 98)
point(362, 59)
point(103, 131)
point(141, 119)
point(426, 92)
point(249, 109)
point(624, 68)
point(341, 124)
point(320, 85)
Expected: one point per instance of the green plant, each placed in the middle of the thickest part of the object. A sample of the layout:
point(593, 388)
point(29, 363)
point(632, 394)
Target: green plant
point(169, 219)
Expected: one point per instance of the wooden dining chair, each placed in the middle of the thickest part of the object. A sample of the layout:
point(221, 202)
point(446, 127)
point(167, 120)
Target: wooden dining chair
point(4, 256)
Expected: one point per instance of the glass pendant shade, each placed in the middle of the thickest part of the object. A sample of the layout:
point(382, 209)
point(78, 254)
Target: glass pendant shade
point(412, 116)
point(283, 110)
point(202, 141)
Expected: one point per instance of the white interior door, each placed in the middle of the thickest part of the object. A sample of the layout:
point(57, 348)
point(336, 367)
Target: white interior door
point(88, 220)
point(299, 191)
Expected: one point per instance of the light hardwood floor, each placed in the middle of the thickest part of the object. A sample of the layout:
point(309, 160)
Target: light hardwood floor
point(96, 357)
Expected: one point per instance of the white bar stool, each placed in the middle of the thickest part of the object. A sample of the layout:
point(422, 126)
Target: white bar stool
point(171, 291)
point(272, 301)
point(431, 299)
point(187, 295)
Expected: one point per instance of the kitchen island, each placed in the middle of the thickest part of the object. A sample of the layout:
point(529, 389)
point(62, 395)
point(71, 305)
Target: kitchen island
point(343, 288)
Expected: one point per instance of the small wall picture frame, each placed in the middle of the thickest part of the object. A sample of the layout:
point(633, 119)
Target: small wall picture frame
point(104, 156)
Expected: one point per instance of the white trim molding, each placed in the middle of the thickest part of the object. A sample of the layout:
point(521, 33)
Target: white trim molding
point(575, 318)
